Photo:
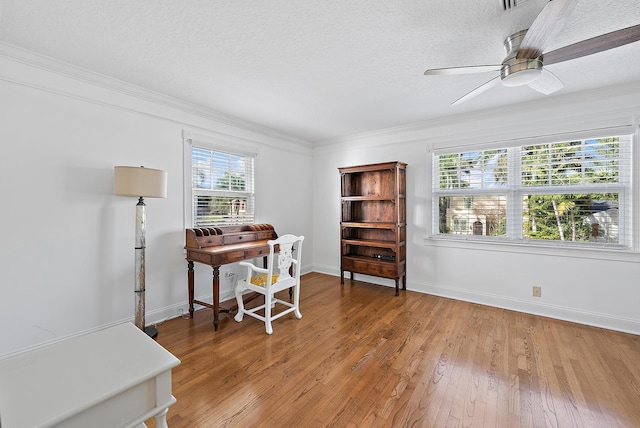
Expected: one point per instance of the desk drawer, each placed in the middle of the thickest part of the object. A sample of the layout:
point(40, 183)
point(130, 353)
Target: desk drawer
point(230, 257)
point(237, 238)
point(256, 252)
point(200, 257)
point(266, 234)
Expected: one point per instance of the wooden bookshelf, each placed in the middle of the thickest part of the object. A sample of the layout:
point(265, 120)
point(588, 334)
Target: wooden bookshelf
point(373, 221)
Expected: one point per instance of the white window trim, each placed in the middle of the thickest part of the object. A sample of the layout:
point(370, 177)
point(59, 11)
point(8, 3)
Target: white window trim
point(470, 242)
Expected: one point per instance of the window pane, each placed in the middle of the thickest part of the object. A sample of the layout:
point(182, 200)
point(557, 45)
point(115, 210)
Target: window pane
point(473, 170)
point(218, 170)
point(229, 171)
point(222, 188)
point(571, 217)
point(477, 215)
point(571, 163)
point(200, 168)
point(222, 210)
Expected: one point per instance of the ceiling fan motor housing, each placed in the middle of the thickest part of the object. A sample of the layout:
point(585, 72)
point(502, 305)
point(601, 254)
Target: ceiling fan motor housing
point(518, 72)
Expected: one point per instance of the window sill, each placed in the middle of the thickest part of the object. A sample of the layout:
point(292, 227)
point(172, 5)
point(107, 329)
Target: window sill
point(619, 254)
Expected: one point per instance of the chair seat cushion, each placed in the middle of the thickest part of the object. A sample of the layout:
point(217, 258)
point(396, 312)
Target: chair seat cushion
point(261, 279)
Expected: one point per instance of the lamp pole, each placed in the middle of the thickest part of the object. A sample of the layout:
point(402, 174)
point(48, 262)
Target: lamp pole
point(141, 226)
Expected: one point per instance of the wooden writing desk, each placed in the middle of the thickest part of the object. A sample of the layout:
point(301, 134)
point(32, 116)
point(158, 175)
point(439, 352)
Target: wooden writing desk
point(116, 377)
point(217, 246)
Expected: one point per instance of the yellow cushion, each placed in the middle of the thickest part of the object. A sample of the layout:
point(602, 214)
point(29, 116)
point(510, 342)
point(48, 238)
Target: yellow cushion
point(261, 279)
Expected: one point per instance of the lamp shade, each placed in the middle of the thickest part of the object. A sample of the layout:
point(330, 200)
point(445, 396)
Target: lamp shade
point(140, 181)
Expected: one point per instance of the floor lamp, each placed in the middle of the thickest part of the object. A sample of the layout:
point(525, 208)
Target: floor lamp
point(142, 183)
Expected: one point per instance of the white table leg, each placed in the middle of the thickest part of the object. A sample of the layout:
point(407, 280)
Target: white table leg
point(161, 419)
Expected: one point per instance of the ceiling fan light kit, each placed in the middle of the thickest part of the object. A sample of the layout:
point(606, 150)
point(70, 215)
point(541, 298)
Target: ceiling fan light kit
point(518, 72)
point(524, 62)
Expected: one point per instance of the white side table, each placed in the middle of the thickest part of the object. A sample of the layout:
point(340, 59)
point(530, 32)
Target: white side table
point(117, 377)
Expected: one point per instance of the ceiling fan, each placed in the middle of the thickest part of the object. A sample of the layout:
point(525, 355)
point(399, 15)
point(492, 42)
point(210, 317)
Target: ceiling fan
point(525, 60)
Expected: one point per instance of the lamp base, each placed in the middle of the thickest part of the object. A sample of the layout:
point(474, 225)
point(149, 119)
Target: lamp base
point(152, 332)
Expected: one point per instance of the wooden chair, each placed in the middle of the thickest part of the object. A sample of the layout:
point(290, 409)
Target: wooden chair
point(277, 277)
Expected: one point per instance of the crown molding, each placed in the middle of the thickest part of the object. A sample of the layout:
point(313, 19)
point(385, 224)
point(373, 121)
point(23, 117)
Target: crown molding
point(79, 74)
point(514, 121)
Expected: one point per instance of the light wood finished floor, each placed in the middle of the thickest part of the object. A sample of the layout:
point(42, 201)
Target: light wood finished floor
point(361, 357)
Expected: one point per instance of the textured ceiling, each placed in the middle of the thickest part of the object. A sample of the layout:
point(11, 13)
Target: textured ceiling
point(316, 70)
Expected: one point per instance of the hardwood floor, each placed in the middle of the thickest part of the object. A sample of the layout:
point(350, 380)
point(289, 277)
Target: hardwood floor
point(361, 357)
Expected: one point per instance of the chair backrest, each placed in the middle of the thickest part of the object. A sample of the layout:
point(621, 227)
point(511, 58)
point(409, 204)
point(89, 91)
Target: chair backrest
point(289, 252)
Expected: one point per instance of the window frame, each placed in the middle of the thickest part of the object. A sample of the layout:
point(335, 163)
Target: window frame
point(226, 144)
point(514, 240)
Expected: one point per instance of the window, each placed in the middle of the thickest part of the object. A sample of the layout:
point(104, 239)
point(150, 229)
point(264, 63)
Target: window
point(572, 192)
point(222, 191)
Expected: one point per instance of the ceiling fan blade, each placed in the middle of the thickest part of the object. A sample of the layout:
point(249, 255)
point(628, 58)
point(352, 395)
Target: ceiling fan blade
point(594, 45)
point(462, 70)
point(477, 91)
point(545, 27)
point(547, 83)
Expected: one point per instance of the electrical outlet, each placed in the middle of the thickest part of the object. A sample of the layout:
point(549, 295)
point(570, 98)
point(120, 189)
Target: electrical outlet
point(537, 291)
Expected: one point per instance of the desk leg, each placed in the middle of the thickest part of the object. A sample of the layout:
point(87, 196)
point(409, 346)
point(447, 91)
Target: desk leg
point(190, 282)
point(216, 297)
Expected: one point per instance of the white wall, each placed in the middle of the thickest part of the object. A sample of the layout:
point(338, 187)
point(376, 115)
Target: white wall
point(592, 288)
point(66, 251)
point(66, 242)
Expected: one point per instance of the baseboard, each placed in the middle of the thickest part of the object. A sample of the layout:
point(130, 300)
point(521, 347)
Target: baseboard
point(595, 319)
point(564, 313)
